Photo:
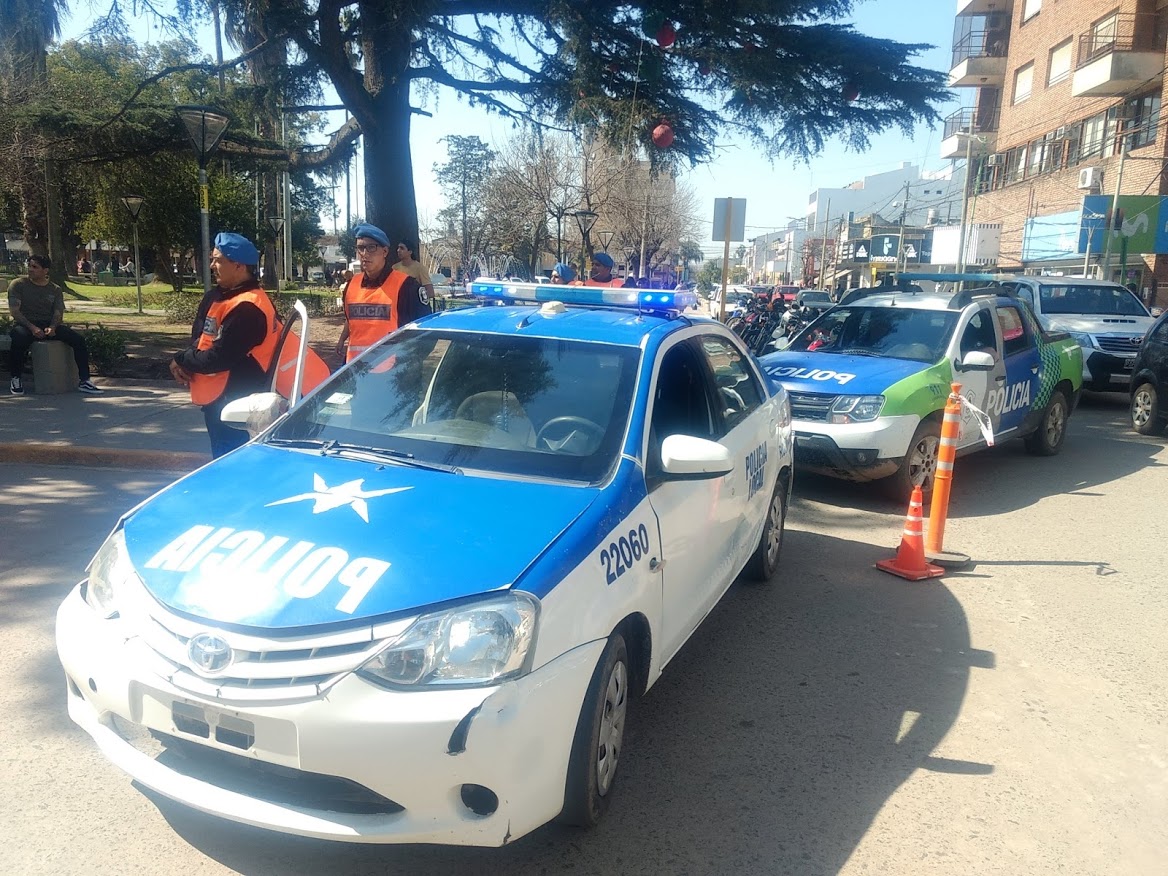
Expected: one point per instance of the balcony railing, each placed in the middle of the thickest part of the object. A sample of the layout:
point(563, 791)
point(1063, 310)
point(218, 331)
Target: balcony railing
point(971, 121)
point(1130, 32)
point(981, 44)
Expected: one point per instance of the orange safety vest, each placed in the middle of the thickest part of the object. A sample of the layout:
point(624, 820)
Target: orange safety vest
point(371, 311)
point(615, 282)
point(206, 388)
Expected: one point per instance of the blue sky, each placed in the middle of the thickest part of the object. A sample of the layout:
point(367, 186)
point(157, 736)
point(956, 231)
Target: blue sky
point(774, 192)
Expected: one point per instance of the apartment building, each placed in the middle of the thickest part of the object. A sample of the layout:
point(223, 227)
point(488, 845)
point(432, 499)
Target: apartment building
point(1063, 114)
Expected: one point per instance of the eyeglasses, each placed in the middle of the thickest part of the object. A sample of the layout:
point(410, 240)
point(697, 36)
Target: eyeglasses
point(368, 247)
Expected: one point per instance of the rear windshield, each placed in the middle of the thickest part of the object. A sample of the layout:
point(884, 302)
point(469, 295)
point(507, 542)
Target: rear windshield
point(1094, 300)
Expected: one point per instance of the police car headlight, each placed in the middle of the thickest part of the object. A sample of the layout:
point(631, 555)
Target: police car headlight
point(855, 408)
point(110, 567)
point(477, 644)
point(1083, 339)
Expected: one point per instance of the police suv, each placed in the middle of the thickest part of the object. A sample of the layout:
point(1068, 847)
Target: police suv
point(417, 606)
point(869, 380)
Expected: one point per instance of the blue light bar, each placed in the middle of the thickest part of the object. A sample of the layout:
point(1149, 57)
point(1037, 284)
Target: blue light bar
point(651, 300)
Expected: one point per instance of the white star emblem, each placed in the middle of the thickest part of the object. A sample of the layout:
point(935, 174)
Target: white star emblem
point(327, 498)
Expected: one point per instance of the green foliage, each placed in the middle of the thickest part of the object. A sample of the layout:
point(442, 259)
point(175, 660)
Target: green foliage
point(150, 298)
point(738, 274)
point(181, 307)
point(5, 323)
point(709, 276)
point(107, 347)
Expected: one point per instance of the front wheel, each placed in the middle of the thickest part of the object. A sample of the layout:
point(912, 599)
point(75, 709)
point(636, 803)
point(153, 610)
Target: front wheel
point(1146, 416)
point(1047, 439)
point(919, 466)
point(599, 738)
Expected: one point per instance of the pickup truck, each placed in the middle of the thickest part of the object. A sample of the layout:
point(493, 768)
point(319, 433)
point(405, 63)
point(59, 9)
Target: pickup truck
point(869, 380)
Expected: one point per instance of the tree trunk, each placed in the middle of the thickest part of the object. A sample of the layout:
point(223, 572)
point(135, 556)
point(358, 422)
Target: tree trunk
point(390, 201)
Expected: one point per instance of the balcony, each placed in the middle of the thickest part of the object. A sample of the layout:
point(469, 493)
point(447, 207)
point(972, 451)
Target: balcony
point(1118, 58)
point(981, 124)
point(983, 7)
point(979, 59)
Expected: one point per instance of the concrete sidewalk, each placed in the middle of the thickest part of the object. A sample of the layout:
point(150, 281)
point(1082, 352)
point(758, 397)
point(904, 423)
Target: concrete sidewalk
point(132, 424)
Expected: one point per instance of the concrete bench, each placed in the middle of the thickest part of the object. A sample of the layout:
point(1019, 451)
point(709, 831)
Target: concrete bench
point(53, 368)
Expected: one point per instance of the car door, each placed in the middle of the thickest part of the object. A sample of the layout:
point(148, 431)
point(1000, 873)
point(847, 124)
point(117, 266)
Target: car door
point(1009, 402)
point(688, 510)
point(977, 332)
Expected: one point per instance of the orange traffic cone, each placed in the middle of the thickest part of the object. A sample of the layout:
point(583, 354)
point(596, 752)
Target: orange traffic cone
point(909, 561)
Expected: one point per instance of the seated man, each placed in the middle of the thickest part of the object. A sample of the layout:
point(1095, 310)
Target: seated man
point(38, 306)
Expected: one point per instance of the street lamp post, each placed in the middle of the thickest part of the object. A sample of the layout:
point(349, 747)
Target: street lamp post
point(205, 127)
point(134, 203)
point(605, 238)
point(585, 219)
point(277, 223)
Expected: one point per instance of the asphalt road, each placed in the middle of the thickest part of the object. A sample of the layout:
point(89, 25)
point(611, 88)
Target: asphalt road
point(1007, 719)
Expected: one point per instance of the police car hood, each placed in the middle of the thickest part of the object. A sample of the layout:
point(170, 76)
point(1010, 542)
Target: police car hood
point(274, 538)
point(1099, 325)
point(835, 373)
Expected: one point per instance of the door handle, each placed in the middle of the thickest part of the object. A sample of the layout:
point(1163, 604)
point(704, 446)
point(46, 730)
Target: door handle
point(656, 565)
point(1001, 379)
point(1033, 369)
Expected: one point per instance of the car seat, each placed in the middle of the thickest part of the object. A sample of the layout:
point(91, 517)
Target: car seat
point(499, 409)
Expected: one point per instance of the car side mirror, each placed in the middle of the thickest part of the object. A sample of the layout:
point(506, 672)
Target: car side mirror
point(686, 457)
point(254, 412)
point(781, 343)
point(977, 360)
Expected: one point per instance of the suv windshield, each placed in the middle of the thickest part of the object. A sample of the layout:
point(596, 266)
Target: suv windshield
point(897, 332)
point(1095, 300)
point(525, 406)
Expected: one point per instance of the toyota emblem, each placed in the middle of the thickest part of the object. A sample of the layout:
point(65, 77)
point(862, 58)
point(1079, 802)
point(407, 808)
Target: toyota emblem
point(1136, 341)
point(209, 654)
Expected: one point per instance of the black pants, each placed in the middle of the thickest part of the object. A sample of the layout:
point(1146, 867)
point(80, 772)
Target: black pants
point(224, 438)
point(23, 339)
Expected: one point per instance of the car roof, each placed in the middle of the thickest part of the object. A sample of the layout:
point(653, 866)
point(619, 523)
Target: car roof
point(903, 299)
point(611, 325)
point(1064, 281)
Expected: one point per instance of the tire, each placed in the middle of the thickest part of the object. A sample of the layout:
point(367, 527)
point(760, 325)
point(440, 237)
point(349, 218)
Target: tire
point(1048, 438)
point(1147, 418)
point(765, 560)
point(599, 737)
point(919, 465)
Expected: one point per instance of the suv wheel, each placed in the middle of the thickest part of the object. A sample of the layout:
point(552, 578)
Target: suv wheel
point(1047, 439)
point(1146, 416)
point(919, 466)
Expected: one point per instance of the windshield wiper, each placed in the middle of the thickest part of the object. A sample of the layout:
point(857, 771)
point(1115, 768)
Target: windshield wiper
point(304, 443)
point(383, 454)
point(855, 352)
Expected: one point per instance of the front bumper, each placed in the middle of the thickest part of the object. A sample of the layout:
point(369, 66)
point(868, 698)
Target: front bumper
point(403, 756)
point(1107, 371)
point(854, 451)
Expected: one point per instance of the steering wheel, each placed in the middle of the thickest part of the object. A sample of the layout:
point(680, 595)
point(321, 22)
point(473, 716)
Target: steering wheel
point(572, 427)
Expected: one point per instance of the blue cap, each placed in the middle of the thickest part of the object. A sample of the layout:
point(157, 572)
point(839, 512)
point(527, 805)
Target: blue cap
point(567, 272)
point(603, 258)
point(237, 248)
point(372, 232)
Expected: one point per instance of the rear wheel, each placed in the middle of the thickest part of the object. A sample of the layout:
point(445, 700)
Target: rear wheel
point(919, 466)
point(1047, 439)
point(1146, 416)
point(599, 739)
point(765, 560)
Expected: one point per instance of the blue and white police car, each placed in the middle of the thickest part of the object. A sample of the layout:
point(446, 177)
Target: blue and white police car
point(416, 607)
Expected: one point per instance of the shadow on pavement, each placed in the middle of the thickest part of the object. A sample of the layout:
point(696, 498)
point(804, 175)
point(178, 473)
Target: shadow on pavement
point(769, 746)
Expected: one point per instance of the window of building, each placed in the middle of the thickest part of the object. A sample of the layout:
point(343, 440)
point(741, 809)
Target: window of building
point(1091, 141)
point(1060, 63)
point(1142, 118)
point(1102, 36)
point(1023, 82)
point(1030, 9)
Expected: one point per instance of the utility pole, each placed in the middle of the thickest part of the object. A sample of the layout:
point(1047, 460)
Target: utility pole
point(1109, 232)
point(965, 203)
point(823, 247)
point(903, 218)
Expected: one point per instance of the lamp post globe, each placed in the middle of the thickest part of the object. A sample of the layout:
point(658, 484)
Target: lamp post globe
point(133, 204)
point(585, 219)
point(205, 126)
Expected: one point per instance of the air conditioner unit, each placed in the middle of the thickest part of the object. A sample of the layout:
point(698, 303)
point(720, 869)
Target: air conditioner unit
point(1061, 133)
point(1090, 177)
point(995, 160)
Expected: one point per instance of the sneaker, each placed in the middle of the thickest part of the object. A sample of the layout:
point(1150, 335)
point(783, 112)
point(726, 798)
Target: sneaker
point(88, 388)
point(16, 386)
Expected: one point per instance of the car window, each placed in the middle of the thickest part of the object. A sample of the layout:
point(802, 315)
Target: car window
point(533, 407)
point(1013, 330)
point(1090, 299)
point(979, 334)
point(738, 389)
point(681, 401)
point(900, 332)
point(1023, 292)
point(1160, 334)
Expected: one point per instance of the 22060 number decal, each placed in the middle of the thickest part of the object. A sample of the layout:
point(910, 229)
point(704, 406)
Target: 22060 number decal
point(620, 555)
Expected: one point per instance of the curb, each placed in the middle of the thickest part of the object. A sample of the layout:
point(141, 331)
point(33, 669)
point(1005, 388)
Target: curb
point(102, 457)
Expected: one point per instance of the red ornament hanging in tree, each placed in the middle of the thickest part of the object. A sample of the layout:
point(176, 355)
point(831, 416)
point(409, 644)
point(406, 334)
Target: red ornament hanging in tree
point(666, 35)
point(663, 135)
point(851, 92)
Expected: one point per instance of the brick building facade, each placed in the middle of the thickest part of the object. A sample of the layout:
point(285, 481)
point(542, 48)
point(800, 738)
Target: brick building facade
point(1057, 87)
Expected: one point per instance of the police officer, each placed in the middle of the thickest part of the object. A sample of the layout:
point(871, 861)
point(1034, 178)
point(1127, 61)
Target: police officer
point(232, 340)
point(378, 300)
point(601, 274)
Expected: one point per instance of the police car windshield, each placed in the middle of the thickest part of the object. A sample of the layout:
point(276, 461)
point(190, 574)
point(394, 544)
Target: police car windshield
point(895, 332)
point(506, 404)
point(1095, 300)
